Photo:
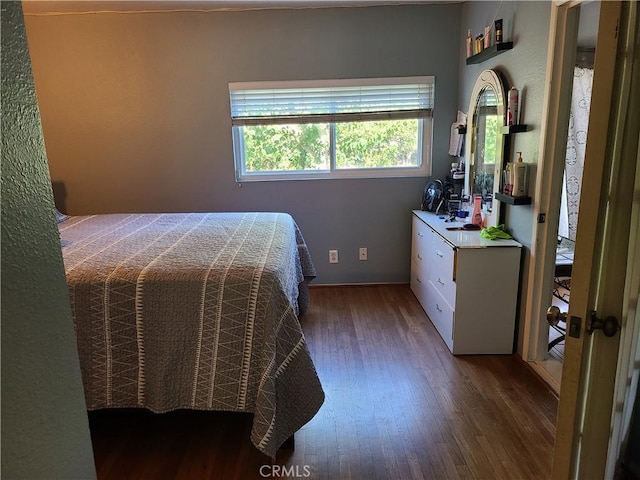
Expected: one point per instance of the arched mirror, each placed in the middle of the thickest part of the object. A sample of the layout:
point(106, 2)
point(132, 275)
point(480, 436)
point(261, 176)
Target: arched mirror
point(484, 143)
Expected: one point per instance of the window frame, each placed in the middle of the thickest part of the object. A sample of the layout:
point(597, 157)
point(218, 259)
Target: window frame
point(423, 116)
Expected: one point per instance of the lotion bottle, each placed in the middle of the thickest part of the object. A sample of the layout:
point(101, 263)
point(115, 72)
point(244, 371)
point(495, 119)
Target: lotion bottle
point(519, 177)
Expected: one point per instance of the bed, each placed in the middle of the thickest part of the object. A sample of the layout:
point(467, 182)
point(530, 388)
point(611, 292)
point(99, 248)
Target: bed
point(194, 311)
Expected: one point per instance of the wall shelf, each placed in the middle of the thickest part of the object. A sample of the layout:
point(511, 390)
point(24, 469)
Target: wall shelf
point(509, 129)
point(513, 200)
point(508, 199)
point(455, 181)
point(487, 53)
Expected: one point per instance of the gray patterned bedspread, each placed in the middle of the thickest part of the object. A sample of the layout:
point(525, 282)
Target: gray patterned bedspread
point(196, 311)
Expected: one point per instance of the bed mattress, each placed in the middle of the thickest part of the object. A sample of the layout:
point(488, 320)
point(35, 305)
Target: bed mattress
point(194, 311)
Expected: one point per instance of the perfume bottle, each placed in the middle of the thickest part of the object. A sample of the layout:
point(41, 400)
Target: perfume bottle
point(469, 44)
point(477, 210)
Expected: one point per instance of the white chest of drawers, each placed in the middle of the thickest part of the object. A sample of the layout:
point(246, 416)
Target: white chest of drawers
point(467, 285)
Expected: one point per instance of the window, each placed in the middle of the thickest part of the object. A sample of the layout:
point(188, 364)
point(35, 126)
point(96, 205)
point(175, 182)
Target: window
point(332, 128)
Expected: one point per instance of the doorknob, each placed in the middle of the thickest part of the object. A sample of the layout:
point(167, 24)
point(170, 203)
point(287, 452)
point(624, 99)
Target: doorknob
point(554, 315)
point(609, 325)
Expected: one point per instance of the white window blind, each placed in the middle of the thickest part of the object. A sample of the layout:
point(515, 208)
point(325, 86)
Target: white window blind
point(317, 101)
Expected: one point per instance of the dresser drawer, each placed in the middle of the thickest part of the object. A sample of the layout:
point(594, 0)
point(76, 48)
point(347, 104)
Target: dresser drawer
point(441, 314)
point(419, 284)
point(421, 242)
point(441, 256)
point(444, 284)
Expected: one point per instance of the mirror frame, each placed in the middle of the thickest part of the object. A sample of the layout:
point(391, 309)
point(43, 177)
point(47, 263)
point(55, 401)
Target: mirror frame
point(487, 78)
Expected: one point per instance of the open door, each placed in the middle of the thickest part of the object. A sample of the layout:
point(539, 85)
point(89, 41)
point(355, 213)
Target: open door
point(604, 240)
point(573, 24)
point(550, 345)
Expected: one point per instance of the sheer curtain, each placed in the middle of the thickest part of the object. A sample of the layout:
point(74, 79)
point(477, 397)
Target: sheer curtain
point(576, 143)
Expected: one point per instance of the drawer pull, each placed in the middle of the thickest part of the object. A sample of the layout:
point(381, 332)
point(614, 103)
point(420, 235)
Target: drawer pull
point(440, 281)
point(438, 308)
point(419, 257)
point(418, 280)
point(439, 253)
point(420, 234)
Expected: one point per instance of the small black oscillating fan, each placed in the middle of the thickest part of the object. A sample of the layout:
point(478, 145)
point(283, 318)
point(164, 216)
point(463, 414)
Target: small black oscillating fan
point(433, 196)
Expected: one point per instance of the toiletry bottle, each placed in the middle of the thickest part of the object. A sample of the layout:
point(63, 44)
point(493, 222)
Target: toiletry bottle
point(498, 27)
point(512, 107)
point(469, 44)
point(478, 44)
point(519, 177)
point(487, 36)
point(477, 210)
point(507, 187)
point(464, 207)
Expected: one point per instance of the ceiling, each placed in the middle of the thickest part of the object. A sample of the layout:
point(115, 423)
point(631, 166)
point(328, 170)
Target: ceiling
point(86, 6)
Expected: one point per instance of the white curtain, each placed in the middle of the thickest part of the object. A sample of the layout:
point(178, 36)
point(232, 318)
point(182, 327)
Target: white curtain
point(576, 143)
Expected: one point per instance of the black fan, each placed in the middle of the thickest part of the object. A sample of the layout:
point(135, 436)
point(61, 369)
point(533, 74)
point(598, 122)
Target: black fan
point(433, 196)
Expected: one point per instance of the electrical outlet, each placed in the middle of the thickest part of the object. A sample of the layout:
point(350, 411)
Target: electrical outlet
point(363, 253)
point(333, 256)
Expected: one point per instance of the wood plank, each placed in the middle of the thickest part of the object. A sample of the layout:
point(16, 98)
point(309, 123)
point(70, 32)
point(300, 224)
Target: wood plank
point(398, 405)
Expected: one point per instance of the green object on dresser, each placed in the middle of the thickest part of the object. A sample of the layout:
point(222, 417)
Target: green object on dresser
point(494, 233)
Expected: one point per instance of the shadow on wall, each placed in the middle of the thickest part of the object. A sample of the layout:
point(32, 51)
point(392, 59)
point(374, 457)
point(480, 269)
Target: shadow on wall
point(59, 196)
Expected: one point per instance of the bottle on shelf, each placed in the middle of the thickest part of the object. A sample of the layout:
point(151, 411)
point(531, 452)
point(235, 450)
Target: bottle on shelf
point(498, 27)
point(507, 179)
point(487, 36)
point(478, 44)
point(512, 107)
point(519, 177)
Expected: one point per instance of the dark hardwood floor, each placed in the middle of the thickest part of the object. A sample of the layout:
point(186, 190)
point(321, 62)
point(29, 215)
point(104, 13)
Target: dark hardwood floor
point(398, 406)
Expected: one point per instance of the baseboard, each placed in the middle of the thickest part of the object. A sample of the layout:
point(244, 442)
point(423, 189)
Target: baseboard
point(538, 373)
